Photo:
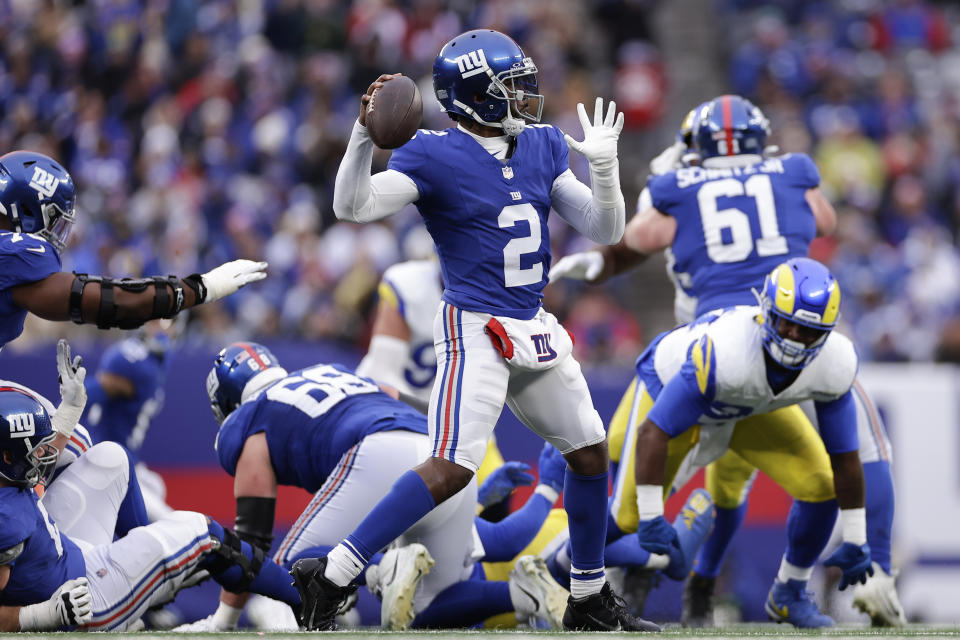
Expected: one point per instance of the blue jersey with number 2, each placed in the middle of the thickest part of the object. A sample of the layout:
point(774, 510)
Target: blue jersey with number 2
point(734, 225)
point(488, 217)
point(311, 418)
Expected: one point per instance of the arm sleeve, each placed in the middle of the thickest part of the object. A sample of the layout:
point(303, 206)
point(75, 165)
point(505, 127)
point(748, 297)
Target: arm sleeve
point(598, 219)
point(360, 197)
point(689, 393)
point(504, 540)
point(838, 424)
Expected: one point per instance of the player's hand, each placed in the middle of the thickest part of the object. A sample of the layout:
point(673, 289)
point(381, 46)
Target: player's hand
point(73, 602)
point(230, 276)
point(586, 265)
point(854, 561)
point(552, 467)
point(668, 158)
point(657, 535)
point(365, 98)
point(73, 393)
point(599, 138)
point(502, 482)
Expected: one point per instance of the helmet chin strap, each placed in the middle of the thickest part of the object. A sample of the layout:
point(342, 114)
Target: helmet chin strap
point(511, 126)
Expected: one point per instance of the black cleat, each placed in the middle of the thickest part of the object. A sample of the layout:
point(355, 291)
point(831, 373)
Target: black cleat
point(604, 611)
point(698, 601)
point(320, 599)
point(637, 585)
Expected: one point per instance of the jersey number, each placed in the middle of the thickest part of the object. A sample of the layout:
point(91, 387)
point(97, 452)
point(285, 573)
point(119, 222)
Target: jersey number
point(513, 274)
point(758, 187)
point(318, 389)
point(51, 529)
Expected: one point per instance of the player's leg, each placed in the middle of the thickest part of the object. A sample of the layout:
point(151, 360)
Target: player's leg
point(556, 404)
point(466, 401)
point(86, 498)
point(728, 480)
point(878, 597)
point(617, 429)
point(784, 445)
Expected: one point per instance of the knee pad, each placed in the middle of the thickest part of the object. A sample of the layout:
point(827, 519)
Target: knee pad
point(229, 553)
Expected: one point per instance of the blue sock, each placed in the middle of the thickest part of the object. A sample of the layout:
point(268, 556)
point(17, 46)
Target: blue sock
point(714, 550)
point(272, 581)
point(809, 526)
point(464, 604)
point(408, 500)
point(321, 550)
point(880, 506)
point(585, 499)
point(132, 512)
point(626, 552)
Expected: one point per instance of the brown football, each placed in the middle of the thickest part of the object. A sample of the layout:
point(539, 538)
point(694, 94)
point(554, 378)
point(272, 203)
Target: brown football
point(394, 112)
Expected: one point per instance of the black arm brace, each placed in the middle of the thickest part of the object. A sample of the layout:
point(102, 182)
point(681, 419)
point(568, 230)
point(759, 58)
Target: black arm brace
point(107, 313)
point(254, 523)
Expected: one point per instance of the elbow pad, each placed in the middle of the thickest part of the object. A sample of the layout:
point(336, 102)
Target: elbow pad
point(107, 316)
point(254, 522)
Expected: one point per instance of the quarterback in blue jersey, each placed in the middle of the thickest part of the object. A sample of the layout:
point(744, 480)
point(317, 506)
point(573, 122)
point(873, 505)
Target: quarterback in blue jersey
point(37, 200)
point(484, 189)
point(73, 586)
point(713, 267)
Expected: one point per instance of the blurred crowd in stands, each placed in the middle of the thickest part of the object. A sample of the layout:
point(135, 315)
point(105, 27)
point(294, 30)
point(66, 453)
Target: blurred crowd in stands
point(201, 131)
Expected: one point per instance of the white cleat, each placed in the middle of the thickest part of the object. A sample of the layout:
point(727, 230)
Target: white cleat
point(397, 578)
point(878, 599)
point(535, 594)
point(267, 614)
point(203, 625)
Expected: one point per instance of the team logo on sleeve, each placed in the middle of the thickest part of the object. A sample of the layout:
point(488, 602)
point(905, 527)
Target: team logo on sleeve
point(472, 63)
point(44, 182)
point(21, 425)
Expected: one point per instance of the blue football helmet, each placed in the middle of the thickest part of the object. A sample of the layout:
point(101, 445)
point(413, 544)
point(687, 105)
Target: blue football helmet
point(37, 196)
point(236, 366)
point(804, 292)
point(484, 75)
point(729, 126)
point(27, 454)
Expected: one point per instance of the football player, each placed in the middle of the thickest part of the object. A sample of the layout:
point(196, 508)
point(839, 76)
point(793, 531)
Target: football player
point(697, 381)
point(484, 189)
point(39, 564)
point(712, 266)
point(37, 201)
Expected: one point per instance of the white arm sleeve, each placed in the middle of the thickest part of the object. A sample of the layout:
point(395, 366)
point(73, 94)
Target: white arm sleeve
point(360, 197)
point(600, 214)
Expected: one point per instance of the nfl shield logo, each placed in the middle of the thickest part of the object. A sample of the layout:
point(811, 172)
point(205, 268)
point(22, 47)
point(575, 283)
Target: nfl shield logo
point(101, 572)
point(507, 172)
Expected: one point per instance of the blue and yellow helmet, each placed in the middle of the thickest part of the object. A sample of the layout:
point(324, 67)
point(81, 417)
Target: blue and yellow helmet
point(804, 292)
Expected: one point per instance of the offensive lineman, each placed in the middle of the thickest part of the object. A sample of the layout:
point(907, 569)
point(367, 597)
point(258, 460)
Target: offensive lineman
point(484, 190)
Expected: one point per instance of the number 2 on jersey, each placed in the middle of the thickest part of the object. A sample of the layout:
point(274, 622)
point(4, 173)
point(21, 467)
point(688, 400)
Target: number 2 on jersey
point(714, 220)
point(513, 274)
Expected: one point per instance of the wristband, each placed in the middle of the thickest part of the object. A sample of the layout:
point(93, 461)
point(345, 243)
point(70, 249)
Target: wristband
point(649, 501)
point(39, 617)
point(195, 282)
point(547, 492)
point(65, 420)
point(853, 525)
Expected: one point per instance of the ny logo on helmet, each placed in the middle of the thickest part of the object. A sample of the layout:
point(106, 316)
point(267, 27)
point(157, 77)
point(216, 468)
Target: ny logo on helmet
point(44, 182)
point(470, 64)
point(21, 425)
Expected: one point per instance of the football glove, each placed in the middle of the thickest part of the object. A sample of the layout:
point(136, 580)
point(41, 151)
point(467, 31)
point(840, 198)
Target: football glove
point(854, 561)
point(599, 145)
point(502, 482)
point(231, 276)
point(553, 467)
point(73, 393)
point(587, 265)
point(657, 536)
point(70, 606)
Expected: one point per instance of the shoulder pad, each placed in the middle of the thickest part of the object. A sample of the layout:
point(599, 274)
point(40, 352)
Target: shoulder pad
point(838, 363)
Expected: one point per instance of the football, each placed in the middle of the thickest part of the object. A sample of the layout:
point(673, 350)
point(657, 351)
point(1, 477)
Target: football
point(394, 112)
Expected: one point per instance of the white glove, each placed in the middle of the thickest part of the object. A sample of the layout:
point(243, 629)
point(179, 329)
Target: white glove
point(73, 394)
point(599, 144)
point(668, 159)
point(230, 276)
point(586, 265)
point(70, 606)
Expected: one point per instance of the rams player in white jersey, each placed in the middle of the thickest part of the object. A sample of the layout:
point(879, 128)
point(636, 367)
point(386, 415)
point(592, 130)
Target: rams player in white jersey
point(697, 381)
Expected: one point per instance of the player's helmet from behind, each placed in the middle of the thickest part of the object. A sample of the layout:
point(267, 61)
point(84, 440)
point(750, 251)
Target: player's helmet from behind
point(240, 370)
point(485, 76)
point(804, 292)
point(37, 196)
point(729, 126)
point(685, 132)
point(27, 454)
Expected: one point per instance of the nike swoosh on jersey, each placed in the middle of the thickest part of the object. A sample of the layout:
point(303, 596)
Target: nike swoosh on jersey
point(37, 249)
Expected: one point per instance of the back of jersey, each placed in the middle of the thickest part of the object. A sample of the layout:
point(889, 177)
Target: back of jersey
point(734, 225)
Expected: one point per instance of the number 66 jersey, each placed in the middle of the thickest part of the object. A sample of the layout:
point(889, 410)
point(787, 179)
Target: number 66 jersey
point(735, 224)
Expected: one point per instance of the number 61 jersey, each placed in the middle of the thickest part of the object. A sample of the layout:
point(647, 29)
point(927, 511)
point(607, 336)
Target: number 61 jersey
point(488, 218)
point(735, 224)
